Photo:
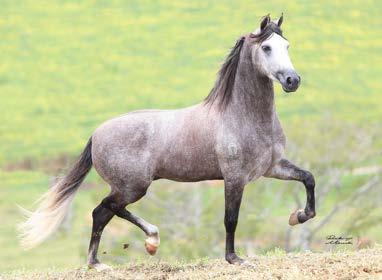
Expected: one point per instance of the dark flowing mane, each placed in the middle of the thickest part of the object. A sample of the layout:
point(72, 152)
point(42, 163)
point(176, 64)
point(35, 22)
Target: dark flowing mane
point(226, 77)
point(222, 90)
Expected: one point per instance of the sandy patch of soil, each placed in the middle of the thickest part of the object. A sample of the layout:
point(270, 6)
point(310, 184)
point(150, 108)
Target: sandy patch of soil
point(363, 264)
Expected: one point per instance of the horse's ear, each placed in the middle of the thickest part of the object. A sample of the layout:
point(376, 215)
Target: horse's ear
point(265, 22)
point(281, 19)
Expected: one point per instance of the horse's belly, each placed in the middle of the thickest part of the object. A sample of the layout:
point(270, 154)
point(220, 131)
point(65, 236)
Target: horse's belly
point(188, 167)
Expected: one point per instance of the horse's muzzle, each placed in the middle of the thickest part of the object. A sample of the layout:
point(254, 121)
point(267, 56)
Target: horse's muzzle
point(289, 80)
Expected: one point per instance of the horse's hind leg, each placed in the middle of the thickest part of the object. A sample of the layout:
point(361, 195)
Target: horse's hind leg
point(285, 170)
point(115, 204)
point(130, 194)
point(101, 216)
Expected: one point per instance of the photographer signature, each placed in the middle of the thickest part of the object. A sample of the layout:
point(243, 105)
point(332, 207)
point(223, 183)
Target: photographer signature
point(338, 240)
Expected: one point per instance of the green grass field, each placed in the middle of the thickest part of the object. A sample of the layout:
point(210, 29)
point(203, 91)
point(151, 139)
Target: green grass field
point(67, 66)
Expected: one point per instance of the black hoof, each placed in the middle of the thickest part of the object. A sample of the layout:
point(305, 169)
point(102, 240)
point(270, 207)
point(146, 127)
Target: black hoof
point(232, 258)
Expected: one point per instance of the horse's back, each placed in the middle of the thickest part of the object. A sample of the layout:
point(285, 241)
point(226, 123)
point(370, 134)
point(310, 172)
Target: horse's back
point(172, 144)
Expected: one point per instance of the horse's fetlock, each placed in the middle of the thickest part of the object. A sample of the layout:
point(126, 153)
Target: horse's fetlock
point(153, 230)
point(310, 214)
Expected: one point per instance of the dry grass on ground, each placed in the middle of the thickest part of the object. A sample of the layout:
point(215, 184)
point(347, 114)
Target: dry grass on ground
point(364, 264)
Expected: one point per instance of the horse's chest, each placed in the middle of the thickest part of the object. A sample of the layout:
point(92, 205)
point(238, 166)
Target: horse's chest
point(245, 154)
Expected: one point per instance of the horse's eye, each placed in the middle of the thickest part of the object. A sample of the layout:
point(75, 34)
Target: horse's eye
point(266, 48)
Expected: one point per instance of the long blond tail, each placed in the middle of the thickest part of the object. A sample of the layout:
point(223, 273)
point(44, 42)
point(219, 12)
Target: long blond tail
point(54, 204)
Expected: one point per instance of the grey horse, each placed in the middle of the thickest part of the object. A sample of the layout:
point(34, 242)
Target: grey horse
point(233, 135)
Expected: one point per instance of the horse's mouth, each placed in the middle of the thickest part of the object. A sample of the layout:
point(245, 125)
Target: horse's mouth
point(289, 90)
point(289, 80)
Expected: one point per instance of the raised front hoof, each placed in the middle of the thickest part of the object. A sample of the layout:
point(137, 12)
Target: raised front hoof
point(232, 258)
point(293, 219)
point(299, 216)
point(100, 267)
point(152, 244)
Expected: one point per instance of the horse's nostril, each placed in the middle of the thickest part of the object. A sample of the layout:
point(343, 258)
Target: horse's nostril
point(289, 80)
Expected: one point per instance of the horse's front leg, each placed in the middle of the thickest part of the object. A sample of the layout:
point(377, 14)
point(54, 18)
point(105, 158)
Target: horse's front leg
point(286, 170)
point(233, 191)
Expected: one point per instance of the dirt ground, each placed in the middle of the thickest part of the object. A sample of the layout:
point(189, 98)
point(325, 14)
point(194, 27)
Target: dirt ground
point(364, 264)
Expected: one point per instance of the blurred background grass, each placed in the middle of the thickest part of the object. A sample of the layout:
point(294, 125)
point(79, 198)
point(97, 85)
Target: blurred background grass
point(66, 66)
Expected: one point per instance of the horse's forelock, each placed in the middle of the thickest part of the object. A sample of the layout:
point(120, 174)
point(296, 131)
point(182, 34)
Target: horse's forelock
point(262, 35)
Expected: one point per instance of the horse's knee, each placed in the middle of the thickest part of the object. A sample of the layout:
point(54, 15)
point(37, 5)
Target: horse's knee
point(308, 180)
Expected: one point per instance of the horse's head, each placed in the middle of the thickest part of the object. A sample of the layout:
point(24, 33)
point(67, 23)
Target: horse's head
point(270, 54)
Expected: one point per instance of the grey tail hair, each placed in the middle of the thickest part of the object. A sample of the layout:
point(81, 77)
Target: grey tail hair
point(55, 203)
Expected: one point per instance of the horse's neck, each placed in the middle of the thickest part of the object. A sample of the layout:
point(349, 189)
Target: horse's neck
point(253, 94)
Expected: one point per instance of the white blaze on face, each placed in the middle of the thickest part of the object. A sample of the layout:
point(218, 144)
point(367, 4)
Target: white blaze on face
point(271, 56)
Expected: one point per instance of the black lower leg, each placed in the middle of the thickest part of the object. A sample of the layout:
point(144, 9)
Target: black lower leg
point(101, 216)
point(285, 170)
point(309, 211)
point(233, 195)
